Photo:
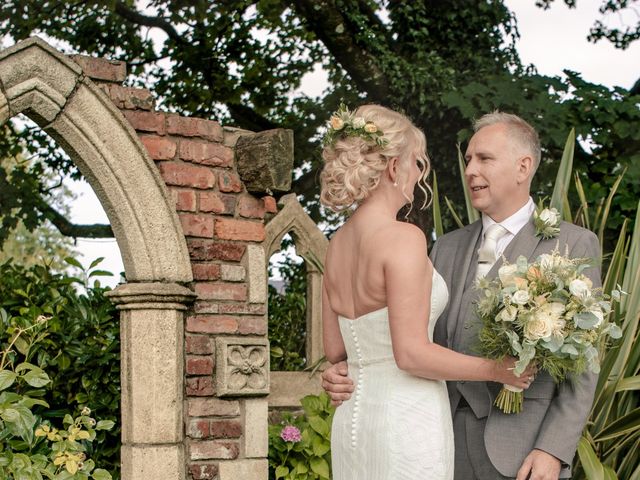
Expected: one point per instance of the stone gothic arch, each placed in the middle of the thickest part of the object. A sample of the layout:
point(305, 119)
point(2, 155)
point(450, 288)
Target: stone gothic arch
point(288, 387)
point(51, 89)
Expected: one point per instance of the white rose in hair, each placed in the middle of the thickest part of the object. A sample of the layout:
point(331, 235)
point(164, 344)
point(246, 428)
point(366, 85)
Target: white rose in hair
point(359, 122)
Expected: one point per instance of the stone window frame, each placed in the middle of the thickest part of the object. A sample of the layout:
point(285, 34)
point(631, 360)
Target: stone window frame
point(287, 388)
point(53, 91)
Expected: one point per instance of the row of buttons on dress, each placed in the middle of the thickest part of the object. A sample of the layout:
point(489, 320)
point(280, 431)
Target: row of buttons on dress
point(356, 400)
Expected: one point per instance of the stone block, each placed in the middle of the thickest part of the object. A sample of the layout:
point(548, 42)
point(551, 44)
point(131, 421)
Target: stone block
point(255, 442)
point(101, 68)
point(287, 388)
point(232, 273)
point(252, 469)
point(257, 268)
point(212, 250)
point(157, 462)
point(213, 407)
point(152, 376)
point(242, 366)
point(185, 175)
point(232, 229)
point(265, 161)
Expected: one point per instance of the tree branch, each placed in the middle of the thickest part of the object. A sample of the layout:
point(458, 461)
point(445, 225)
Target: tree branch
point(158, 22)
point(326, 21)
point(69, 229)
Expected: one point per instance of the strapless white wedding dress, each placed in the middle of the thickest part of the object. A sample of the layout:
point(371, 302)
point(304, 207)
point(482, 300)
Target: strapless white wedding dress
point(395, 426)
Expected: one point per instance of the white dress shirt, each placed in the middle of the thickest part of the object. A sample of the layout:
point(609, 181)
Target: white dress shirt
point(513, 224)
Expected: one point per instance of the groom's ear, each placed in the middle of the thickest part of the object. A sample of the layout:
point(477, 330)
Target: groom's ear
point(525, 169)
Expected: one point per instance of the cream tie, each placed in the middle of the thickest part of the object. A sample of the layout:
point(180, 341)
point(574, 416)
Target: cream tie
point(487, 253)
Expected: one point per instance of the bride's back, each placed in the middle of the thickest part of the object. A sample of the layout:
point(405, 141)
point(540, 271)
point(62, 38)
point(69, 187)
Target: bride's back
point(354, 275)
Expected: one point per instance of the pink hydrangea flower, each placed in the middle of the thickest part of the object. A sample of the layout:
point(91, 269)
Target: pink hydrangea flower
point(290, 434)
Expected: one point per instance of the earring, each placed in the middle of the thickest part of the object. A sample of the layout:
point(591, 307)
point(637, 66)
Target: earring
point(395, 184)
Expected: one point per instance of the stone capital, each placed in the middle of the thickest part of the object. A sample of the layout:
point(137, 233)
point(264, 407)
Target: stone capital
point(151, 296)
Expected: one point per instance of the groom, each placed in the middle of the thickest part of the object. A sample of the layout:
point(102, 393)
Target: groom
point(540, 442)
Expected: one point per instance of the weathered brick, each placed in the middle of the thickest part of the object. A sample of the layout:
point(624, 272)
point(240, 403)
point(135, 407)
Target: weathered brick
point(240, 308)
point(221, 291)
point(206, 153)
point(203, 471)
point(199, 344)
point(252, 325)
point(251, 207)
point(144, 121)
point(159, 148)
point(205, 271)
point(231, 229)
point(200, 386)
point(232, 273)
point(101, 68)
point(270, 204)
point(185, 175)
point(129, 98)
point(198, 428)
point(197, 225)
point(194, 127)
point(212, 250)
point(199, 365)
point(204, 449)
point(212, 324)
point(230, 182)
point(206, 307)
point(210, 407)
point(217, 202)
point(225, 429)
point(184, 200)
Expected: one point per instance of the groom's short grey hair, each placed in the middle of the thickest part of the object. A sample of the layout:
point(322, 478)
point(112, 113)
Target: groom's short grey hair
point(518, 129)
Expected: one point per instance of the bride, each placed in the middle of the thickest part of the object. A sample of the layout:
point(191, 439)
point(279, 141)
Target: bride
point(381, 298)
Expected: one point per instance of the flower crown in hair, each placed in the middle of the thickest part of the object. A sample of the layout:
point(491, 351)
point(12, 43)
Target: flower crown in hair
point(344, 123)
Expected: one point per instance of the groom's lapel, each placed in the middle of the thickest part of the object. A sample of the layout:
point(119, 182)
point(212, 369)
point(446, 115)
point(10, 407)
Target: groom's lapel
point(464, 261)
point(524, 243)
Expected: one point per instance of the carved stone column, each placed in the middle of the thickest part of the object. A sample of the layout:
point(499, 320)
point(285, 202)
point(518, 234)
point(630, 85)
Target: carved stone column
point(152, 338)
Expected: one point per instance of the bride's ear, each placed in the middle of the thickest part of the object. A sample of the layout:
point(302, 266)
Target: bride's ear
point(392, 170)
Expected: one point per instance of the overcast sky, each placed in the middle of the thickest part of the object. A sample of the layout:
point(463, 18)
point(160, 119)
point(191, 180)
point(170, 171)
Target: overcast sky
point(551, 40)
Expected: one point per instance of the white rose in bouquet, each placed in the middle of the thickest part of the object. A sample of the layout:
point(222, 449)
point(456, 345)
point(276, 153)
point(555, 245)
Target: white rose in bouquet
point(521, 297)
point(506, 273)
point(579, 288)
point(541, 325)
point(508, 313)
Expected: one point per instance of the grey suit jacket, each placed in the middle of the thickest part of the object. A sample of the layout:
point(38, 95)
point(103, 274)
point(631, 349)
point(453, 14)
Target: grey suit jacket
point(553, 415)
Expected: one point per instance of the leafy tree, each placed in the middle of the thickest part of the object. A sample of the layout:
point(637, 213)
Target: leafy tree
point(242, 61)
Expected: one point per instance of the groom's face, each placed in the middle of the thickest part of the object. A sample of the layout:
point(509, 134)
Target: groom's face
point(492, 174)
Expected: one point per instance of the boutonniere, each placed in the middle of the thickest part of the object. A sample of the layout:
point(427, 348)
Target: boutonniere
point(547, 222)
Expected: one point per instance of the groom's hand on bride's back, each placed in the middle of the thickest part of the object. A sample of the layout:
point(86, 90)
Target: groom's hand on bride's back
point(336, 383)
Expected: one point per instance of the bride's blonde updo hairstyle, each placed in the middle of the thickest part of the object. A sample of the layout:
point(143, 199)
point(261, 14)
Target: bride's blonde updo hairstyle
point(354, 161)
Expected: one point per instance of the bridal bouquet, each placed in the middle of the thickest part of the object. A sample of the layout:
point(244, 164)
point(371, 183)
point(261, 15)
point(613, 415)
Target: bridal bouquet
point(546, 312)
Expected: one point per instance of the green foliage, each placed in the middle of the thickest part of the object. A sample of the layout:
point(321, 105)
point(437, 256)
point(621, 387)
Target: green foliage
point(79, 350)
point(288, 318)
point(27, 452)
point(310, 456)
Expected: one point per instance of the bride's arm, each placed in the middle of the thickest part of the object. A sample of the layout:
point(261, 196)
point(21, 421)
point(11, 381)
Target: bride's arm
point(408, 277)
point(333, 344)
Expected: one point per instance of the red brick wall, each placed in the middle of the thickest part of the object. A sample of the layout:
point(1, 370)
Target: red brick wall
point(219, 218)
